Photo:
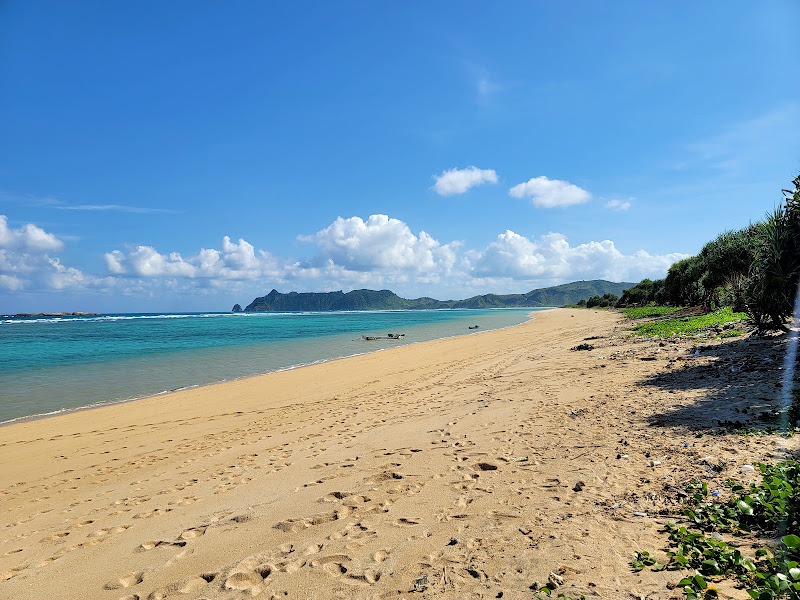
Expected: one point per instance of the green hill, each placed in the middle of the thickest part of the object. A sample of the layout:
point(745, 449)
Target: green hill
point(568, 293)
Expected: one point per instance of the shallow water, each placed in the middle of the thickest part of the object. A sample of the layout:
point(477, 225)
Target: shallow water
point(49, 365)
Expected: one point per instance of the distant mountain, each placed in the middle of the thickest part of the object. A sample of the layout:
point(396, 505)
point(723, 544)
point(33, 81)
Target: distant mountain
point(568, 293)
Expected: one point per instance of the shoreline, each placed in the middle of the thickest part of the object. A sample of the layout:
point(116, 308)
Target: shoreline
point(114, 402)
point(478, 465)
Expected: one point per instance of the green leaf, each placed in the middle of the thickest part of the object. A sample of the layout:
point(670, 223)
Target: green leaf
point(710, 567)
point(744, 508)
point(791, 541)
point(794, 573)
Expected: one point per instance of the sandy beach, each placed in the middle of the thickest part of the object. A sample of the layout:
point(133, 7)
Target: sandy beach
point(473, 467)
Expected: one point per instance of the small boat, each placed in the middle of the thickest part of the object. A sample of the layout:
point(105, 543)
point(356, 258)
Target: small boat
point(473, 326)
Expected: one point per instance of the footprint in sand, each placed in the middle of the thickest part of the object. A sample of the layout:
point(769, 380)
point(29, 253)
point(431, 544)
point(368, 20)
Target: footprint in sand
point(381, 555)
point(191, 534)
point(108, 531)
point(247, 581)
point(403, 522)
point(196, 583)
point(312, 549)
point(334, 496)
point(290, 566)
point(12, 572)
point(384, 476)
point(125, 581)
point(150, 544)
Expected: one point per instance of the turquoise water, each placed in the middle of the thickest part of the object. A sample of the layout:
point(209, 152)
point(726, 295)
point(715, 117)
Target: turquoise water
point(49, 365)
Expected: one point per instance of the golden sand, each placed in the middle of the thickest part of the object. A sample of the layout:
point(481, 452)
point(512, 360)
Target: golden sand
point(473, 467)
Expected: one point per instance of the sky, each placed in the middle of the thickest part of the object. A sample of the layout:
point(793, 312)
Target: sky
point(189, 155)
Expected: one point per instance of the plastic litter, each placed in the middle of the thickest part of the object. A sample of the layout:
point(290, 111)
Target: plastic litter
point(747, 469)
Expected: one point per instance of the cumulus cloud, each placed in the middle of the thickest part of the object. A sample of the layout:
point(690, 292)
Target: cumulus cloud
point(618, 205)
point(380, 243)
point(235, 260)
point(28, 238)
point(26, 263)
point(552, 258)
point(550, 193)
point(458, 181)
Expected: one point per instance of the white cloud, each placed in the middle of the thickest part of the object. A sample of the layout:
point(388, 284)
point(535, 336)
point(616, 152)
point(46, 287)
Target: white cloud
point(458, 181)
point(26, 264)
point(550, 193)
point(552, 258)
point(350, 253)
point(380, 243)
point(618, 205)
point(234, 261)
point(28, 238)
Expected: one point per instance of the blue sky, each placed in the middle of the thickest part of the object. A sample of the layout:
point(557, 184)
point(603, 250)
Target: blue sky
point(167, 156)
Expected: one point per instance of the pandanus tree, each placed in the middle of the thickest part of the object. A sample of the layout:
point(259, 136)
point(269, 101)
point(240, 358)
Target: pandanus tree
point(728, 259)
point(773, 280)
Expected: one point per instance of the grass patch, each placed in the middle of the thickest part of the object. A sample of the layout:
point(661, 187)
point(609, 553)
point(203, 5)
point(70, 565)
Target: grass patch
point(648, 311)
point(688, 325)
point(730, 333)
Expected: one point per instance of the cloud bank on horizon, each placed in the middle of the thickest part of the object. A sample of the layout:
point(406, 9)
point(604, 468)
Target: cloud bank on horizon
point(349, 253)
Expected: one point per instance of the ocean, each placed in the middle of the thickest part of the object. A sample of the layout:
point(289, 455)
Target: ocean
point(55, 364)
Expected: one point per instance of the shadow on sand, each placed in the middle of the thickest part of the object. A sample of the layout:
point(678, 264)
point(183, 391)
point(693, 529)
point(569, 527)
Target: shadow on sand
point(741, 385)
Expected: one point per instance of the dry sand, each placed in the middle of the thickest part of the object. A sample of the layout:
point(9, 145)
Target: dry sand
point(473, 467)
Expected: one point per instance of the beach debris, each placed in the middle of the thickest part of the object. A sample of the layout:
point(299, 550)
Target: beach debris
point(579, 486)
point(655, 463)
point(420, 583)
point(453, 541)
point(555, 580)
point(747, 469)
point(640, 514)
point(582, 347)
point(709, 460)
point(512, 459)
point(717, 536)
point(618, 504)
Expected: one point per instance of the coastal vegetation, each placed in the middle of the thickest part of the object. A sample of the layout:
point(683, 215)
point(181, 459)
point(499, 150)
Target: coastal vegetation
point(720, 322)
point(762, 515)
point(754, 270)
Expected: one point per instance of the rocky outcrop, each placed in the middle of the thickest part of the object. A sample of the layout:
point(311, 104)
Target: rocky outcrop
point(57, 314)
point(237, 308)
